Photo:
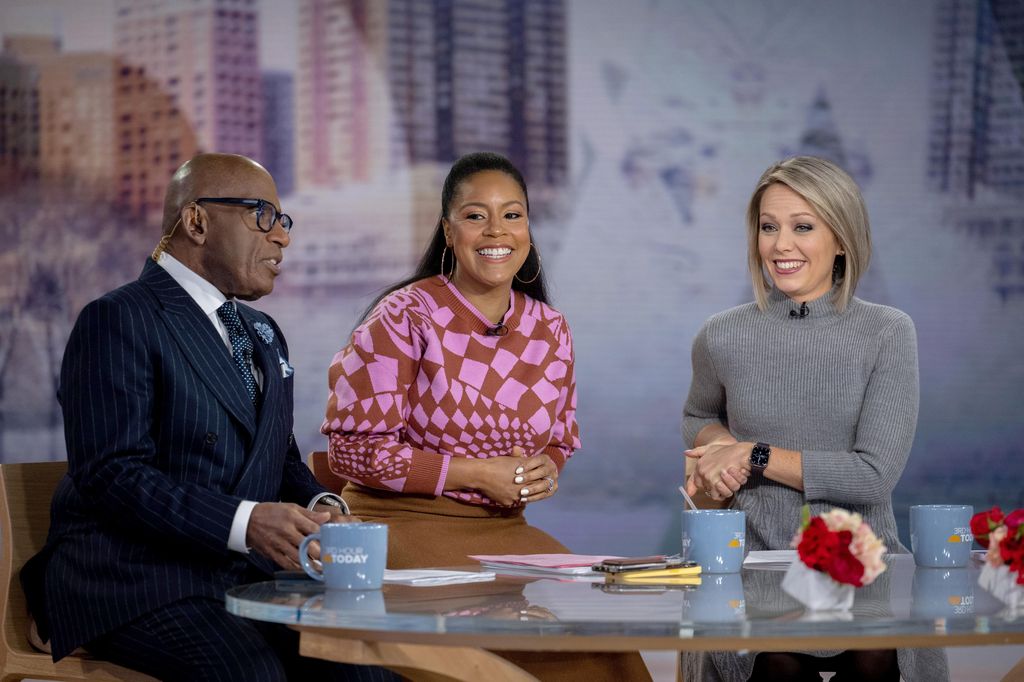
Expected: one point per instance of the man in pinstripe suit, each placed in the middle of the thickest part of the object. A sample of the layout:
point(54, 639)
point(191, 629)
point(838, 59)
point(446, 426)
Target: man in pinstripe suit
point(183, 474)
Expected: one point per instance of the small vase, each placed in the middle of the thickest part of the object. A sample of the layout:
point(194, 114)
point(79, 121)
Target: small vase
point(815, 590)
point(1002, 583)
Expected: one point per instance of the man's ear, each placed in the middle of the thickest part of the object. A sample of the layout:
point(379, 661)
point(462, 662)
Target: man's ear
point(195, 222)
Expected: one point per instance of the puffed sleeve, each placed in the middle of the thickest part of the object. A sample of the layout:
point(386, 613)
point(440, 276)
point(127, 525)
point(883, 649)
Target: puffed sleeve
point(368, 405)
point(565, 438)
point(706, 402)
point(885, 430)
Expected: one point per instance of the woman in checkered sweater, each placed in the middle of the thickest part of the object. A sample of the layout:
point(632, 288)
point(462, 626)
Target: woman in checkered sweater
point(456, 396)
point(454, 405)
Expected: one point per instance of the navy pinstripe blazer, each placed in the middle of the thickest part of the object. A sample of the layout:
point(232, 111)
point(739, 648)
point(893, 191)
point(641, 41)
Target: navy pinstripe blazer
point(163, 443)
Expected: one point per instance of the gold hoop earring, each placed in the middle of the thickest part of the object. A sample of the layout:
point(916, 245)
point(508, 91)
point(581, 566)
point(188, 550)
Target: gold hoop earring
point(536, 274)
point(452, 271)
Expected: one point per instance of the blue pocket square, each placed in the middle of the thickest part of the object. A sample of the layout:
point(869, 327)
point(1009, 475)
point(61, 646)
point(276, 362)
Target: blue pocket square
point(286, 369)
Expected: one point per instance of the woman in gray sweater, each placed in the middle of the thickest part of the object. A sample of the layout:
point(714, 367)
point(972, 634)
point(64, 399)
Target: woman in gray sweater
point(808, 395)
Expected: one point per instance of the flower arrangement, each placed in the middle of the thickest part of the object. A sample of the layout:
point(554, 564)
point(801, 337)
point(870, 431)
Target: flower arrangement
point(1003, 537)
point(838, 551)
point(842, 545)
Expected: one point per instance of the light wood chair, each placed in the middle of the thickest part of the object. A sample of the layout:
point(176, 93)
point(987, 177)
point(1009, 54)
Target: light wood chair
point(322, 472)
point(25, 493)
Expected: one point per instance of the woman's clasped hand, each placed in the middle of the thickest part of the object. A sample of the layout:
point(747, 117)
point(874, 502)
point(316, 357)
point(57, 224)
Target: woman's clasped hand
point(516, 479)
point(719, 469)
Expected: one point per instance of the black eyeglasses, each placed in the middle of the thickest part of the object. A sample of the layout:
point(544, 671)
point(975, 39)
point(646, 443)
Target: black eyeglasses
point(266, 212)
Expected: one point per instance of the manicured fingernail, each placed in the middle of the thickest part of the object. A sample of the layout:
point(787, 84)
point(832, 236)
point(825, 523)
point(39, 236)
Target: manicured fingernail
point(524, 492)
point(519, 479)
point(523, 498)
point(520, 470)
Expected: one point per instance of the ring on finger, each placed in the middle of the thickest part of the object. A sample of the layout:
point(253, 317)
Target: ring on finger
point(551, 483)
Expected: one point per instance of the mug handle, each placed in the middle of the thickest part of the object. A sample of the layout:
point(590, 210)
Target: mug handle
point(307, 563)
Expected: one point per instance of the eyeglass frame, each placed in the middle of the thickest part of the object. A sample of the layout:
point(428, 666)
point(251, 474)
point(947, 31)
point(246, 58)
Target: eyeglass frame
point(259, 205)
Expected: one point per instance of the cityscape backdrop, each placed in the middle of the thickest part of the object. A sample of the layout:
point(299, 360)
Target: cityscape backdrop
point(641, 128)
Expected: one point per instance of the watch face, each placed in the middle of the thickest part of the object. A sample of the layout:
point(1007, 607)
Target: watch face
point(759, 456)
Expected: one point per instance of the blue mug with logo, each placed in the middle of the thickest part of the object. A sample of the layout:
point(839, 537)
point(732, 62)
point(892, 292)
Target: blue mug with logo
point(715, 539)
point(940, 534)
point(352, 555)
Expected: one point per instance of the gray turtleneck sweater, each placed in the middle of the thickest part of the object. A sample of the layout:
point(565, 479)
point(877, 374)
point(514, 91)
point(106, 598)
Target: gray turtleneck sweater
point(842, 388)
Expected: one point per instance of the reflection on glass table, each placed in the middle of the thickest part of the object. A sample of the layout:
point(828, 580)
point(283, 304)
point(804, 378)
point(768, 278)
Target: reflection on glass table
point(906, 607)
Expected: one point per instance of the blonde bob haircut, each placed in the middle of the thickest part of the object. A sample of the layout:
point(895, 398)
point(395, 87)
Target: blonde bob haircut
point(836, 199)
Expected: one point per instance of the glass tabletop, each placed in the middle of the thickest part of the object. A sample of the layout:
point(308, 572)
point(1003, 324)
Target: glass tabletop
point(903, 601)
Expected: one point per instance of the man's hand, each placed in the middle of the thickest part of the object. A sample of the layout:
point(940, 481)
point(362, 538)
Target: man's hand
point(276, 529)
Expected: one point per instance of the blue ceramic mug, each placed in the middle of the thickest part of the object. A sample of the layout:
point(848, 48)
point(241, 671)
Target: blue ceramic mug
point(353, 555)
point(715, 539)
point(940, 534)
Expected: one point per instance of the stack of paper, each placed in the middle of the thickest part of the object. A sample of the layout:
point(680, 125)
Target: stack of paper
point(428, 577)
point(546, 565)
point(771, 560)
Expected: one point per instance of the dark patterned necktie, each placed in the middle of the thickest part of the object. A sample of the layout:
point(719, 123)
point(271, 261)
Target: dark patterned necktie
point(241, 347)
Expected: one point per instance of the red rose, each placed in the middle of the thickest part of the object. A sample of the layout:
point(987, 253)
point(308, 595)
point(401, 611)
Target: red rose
point(1011, 549)
point(984, 523)
point(1014, 521)
point(844, 567)
point(817, 545)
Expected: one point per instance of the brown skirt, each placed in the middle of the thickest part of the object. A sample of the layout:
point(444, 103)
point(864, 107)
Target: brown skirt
point(427, 532)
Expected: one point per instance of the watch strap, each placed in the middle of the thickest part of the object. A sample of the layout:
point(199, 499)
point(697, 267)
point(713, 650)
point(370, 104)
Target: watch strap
point(331, 500)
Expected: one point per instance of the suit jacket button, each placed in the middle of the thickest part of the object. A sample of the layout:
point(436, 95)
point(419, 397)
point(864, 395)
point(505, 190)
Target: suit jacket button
point(211, 437)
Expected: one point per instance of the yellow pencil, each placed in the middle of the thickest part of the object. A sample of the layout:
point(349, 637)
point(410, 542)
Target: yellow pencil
point(660, 572)
point(660, 575)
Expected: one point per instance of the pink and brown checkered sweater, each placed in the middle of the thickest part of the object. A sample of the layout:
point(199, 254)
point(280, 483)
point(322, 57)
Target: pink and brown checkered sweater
point(421, 383)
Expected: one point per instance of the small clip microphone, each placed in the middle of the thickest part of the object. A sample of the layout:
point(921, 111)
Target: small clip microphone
point(804, 312)
point(497, 330)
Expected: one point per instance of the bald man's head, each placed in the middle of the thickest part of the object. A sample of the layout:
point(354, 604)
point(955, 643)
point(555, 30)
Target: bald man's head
point(223, 241)
point(208, 175)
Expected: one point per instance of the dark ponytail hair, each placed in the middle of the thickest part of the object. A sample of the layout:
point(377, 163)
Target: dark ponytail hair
point(430, 261)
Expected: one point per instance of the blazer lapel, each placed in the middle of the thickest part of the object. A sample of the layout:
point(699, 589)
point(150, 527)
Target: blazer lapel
point(265, 356)
point(201, 345)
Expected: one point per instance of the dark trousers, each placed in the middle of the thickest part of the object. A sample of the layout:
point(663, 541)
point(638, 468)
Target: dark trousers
point(197, 639)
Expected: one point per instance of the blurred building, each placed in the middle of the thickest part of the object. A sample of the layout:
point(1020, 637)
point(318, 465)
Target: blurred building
point(19, 118)
point(204, 54)
point(279, 129)
point(977, 116)
point(390, 83)
point(74, 117)
point(97, 124)
point(976, 133)
point(342, 108)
